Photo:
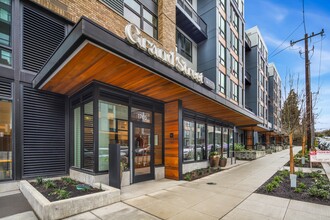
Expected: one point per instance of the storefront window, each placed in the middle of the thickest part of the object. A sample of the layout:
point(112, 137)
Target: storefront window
point(77, 137)
point(217, 135)
point(140, 115)
point(231, 142)
point(210, 139)
point(88, 142)
point(225, 142)
point(189, 141)
point(158, 139)
point(5, 140)
point(200, 142)
point(113, 129)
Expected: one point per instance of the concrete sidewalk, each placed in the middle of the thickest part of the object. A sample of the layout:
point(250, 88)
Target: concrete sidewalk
point(230, 196)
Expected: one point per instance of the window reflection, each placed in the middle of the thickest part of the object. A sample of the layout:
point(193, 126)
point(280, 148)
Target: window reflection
point(189, 141)
point(113, 129)
point(5, 140)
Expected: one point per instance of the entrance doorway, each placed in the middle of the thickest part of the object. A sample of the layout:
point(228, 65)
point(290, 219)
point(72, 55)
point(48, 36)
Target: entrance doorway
point(143, 151)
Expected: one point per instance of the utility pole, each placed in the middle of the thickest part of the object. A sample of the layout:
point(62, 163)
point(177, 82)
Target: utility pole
point(308, 87)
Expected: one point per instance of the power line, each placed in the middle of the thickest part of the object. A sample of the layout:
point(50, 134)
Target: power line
point(280, 51)
point(318, 86)
point(286, 38)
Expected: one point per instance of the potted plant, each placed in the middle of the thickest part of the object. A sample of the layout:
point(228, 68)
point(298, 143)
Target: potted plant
point(223, 160)
point(214, 159)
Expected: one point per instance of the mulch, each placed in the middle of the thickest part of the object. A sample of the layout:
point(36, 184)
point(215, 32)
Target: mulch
point(61, 184)
point(306, 165)
point(285, 190)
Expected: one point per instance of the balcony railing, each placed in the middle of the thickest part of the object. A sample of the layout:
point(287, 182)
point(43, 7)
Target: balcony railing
point(193, 14)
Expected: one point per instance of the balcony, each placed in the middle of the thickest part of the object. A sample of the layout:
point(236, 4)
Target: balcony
point(190, 22)
point(247, 43)
point(247, 78)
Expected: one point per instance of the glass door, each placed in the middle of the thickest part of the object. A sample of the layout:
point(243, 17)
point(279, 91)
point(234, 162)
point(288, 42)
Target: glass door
point(143, 152)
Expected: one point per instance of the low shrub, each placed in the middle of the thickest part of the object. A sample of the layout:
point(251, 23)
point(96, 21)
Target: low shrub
point(61, 193)
point(300, 174)
point(49, 184)
point(39, 180)
point(302, 185)
point(239, 147)
point(278, 179)
point(284, 173)
point(68, 180)
point(316, 192)
point(298, 190)
point(187, 176)
point(272, 186)
point(315, 174)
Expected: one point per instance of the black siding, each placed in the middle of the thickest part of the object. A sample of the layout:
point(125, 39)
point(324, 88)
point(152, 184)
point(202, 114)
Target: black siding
point(43, 133)
point(5, 89)
point(41, 36)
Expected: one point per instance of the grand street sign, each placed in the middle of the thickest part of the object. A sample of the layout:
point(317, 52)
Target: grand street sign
point(134, 36)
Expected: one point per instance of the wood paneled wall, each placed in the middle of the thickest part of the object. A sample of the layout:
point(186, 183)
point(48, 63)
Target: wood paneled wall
point(267, 139)
point(249, 139)
point(173, 125)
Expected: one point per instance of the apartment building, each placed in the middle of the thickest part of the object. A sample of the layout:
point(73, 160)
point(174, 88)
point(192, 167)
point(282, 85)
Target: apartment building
point(262, 91)
point(256, 87)
point(88, 85)
point(275, 105)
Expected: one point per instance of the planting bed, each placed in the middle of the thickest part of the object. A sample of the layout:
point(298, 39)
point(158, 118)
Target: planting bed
point(68, 189)
point(199, 173)
point(311, 187)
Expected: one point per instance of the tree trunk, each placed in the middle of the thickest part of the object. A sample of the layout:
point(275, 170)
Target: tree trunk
point(291, 154)
point(303, 145)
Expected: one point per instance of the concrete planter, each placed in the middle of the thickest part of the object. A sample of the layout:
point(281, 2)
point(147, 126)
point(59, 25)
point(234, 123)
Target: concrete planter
point(278, 148)
point(47, 210)
point(249, 155)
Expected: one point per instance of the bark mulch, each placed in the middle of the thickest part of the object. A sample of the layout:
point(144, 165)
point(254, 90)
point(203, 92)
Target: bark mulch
point(71, 188)
point(285, 191)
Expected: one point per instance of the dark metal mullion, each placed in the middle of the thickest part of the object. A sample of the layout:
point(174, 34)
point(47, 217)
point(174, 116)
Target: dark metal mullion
point(195, 140)
point(82, 134)
point(96, 130)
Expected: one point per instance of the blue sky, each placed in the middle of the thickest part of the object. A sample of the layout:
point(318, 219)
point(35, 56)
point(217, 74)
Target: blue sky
point(276, 20)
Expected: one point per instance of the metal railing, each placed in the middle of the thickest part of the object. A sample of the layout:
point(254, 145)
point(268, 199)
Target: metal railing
point(193, 14)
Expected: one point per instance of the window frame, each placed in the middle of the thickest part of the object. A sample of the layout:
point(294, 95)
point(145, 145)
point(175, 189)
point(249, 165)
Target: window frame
point(142, 18)
point(181, 48)
point(8, 48)
point(222, 87)
point(222, 54)
point(223, 29)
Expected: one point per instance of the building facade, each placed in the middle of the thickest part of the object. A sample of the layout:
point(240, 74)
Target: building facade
point(275, 106)
point(89, 87)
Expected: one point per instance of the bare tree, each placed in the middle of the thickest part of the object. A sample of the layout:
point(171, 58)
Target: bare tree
point(291, 111)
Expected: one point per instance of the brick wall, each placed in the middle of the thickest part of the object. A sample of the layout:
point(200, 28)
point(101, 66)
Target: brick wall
point(106, 17)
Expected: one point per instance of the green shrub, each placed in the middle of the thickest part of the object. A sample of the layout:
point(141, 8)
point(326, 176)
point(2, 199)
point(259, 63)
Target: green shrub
point(49, 184)
point(315, 174)
point(284, 173)
point(316, 192)
point(272, 186)
point(239, 147)
point(39, 180)
point(269, 187)
point(302, 185)
point(298, 190)
point(300, 174)
point(61, 193)
point(187, 176)
point(278, 179)
point(68, 180)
